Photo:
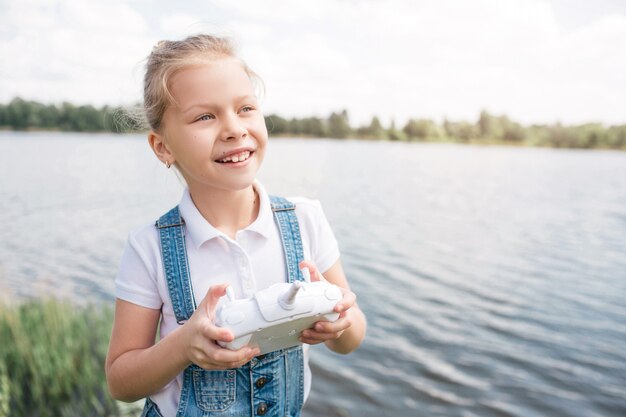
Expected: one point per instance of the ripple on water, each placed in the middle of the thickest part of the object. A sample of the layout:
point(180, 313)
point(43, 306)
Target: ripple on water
point(493, 278)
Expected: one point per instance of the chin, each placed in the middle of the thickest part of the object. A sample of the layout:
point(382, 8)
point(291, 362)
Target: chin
point(240, 184)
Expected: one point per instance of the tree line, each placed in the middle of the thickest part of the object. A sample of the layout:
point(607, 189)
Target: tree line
point(21, 114)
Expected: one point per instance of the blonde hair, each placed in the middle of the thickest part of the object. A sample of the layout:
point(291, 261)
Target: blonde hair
point(168, 57)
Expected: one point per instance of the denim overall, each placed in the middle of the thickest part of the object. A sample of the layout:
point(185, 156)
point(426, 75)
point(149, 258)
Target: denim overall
point(268, 385)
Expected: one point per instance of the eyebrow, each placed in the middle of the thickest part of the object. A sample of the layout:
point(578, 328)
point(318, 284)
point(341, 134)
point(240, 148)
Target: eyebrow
point(209, 104)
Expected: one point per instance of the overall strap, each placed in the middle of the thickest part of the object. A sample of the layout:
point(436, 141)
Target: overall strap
point(171, 229)
point(285, 216)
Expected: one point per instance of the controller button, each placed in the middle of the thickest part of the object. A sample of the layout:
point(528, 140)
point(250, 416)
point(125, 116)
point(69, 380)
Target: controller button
point(235, 317)
point(330, 294)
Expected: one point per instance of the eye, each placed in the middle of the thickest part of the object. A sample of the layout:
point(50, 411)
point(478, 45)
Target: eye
point(246, 109)
point(204, 118)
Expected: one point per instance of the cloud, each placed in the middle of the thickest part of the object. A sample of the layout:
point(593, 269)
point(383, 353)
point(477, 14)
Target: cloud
point(178, 25)
point(453, 58)
point(71, 50)
point(391, 58)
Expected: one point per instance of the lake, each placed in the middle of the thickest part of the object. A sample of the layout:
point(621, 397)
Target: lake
point(493, 278)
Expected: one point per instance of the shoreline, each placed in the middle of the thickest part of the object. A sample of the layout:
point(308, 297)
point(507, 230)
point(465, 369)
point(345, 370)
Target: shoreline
point(446, 141)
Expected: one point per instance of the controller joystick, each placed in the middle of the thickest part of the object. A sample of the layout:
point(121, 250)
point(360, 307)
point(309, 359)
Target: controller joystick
point(288, 299)
point(230, 293)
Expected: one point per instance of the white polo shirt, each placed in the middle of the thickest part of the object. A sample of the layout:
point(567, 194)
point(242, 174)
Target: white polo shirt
point(253, 261)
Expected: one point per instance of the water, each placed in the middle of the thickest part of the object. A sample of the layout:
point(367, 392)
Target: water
point(493, 278)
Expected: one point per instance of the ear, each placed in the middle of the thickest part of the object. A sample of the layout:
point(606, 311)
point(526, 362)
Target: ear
point(160, 148)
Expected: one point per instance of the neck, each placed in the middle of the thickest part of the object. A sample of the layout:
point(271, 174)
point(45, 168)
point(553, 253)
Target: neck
point(228, 211)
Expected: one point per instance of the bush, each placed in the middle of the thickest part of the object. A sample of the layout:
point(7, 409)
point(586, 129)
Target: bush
point(52, 360)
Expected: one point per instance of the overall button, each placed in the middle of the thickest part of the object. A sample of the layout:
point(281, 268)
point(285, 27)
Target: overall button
point(262, 409)
point(260, 383)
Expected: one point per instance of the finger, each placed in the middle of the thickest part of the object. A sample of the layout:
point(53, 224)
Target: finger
point(216, 333)
point(334, 327)
point(309, 341)
point(315, 273)
point(211, 363)
point(313, 337)
point(212, 297)
point(227, 357)
point(310, 337)
point(347, 301)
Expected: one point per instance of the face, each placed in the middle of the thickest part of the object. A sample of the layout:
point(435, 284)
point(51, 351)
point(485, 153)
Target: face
point(215, 132)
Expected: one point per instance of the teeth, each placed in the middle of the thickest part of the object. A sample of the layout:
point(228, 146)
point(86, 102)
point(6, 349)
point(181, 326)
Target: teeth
point(237, 158)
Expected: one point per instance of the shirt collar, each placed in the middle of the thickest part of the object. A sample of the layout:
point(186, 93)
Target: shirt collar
point(264, 223)
point(200, 230)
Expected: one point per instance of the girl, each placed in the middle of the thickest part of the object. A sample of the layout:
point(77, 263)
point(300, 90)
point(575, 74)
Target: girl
point(205, 120)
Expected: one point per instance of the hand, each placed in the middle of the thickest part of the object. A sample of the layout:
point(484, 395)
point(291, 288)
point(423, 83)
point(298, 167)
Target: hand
point(323, 331)
point(202, 335)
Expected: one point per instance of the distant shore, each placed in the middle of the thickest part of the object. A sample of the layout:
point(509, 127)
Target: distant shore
point(451, 141)
point(488, 129)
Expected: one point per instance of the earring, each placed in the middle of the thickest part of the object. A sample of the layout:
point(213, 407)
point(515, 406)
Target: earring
point(167, 164)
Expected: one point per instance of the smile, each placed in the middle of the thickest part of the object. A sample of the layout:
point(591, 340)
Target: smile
point(240, 157)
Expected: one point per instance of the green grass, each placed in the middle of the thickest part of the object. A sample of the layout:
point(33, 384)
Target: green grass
point(52, 361)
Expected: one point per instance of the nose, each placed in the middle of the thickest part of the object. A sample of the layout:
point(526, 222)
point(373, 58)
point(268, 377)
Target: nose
point(232, 128)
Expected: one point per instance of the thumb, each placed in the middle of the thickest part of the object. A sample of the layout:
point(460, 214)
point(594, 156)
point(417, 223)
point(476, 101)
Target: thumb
point(212, 297)
point(315, 273)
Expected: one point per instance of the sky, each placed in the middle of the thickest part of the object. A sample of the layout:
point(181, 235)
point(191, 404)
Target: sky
point(537, 61)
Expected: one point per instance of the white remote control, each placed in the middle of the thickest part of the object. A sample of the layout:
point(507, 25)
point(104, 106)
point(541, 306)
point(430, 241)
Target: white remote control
point(273, 318)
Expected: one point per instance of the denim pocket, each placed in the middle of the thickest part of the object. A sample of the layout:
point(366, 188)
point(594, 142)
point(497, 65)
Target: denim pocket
point(214, 390)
